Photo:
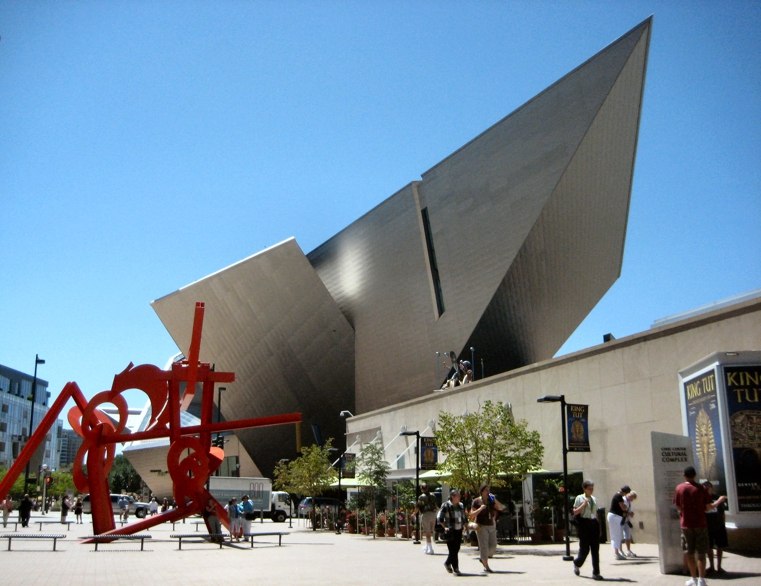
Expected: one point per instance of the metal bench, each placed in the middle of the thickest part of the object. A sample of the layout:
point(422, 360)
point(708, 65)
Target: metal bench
point(213, 537)
point(41, 523)
point(250, 536)
point(97, 539)
point(11, 536)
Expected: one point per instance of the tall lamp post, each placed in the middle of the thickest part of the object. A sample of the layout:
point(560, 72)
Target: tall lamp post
point(561, 399)
point(285, 461)
point(37, 360)
point(218, 441)
point(417, 479)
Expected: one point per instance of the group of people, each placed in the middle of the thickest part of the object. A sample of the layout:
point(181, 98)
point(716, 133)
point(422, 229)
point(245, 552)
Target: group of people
point(240, 514)
point(701, 516)
point(701, 519)
point(461, 374)
point(26, 505)
point(454, 518)
point(68, 504)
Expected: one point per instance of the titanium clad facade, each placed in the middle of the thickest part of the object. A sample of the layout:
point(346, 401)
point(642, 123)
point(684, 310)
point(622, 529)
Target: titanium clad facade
point(270, 320)
point(527, 223)
point(504, 246)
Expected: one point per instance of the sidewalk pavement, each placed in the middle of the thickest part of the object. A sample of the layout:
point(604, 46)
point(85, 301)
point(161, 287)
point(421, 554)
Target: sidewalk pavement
point(317, 557)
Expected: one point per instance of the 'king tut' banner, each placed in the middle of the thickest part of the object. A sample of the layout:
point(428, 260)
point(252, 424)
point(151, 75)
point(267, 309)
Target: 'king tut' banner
point(704, 428)
point(429, 453)
point(743, 386)
point(577, 427)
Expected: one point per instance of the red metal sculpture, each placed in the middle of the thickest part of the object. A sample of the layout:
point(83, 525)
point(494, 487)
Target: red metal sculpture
point(191, 458)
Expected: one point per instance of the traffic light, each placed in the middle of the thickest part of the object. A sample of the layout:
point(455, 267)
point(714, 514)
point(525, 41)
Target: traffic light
point(218, 442)
point(48, 480)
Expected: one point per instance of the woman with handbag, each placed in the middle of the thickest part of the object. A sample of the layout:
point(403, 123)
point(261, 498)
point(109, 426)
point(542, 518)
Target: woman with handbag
point(484, 512)
point(247, 510)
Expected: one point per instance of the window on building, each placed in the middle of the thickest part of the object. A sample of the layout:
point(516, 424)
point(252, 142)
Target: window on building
point(432, 262)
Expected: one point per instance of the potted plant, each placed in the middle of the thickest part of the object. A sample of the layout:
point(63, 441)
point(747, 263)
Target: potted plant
point(542, 516)
point(351, 522)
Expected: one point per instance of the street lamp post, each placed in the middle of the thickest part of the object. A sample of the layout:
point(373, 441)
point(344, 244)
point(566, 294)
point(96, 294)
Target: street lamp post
point(37, 360)
point(218, 441)
point(417, 479)
point(285, 461)
point(561, 399)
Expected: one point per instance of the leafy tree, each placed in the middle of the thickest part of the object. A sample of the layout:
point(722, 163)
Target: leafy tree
point(373, 471)
point(61, 483)
point(17, 489)
point(123, 477)
point(488, 446)
point(308, 475)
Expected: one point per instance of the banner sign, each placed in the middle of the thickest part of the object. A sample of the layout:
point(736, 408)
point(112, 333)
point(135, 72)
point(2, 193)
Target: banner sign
point(704, 428)
point(429, 453)
point(349, 465)
point(577, 427)
point(743, 388)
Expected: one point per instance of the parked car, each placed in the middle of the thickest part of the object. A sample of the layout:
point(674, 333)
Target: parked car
point(307, 504)
point(137, 508)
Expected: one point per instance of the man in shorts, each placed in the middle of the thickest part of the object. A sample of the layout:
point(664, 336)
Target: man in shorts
point(427, 507)
point(693, 501)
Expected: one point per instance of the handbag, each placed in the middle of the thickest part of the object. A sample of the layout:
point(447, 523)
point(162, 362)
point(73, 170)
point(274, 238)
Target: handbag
point(249, 517)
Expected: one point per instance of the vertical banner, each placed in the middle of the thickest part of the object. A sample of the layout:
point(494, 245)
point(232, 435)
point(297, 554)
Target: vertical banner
point(349, 465)
point(577, 427)
point(704, 428)
point(671, 455)
point(429, 453)
point(743, 388)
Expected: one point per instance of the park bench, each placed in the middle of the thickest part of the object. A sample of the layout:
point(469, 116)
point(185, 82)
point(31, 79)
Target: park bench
point(203, 536)
point(250, 536)
point(105, 538)
point(11, 536)
point(41, 523)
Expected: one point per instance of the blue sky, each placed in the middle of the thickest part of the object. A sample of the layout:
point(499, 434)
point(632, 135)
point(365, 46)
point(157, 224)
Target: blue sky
point(144, 145)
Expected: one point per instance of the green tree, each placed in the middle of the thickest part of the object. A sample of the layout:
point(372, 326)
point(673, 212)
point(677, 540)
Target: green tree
point(123, 477)
point(17, 489)
point(487, 446)
point(62, 483)
point(308, 475)
point(373, 471)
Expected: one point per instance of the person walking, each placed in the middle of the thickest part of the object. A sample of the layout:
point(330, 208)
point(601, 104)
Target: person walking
point(717, 531)
point(65, 506)
point(585, 511)
point(484, 512)
point(7, 507)
point(123, 508)
point(78, 511)
point(693, 502)
point(452, 517)
point(616, 517)
point(25, 510)
point(426, 509)
point(153, 506)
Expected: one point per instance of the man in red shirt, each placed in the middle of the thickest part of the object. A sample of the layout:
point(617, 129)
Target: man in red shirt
point(693, 501)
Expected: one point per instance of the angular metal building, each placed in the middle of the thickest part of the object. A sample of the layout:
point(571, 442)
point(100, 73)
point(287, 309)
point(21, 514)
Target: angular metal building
point(504, 247)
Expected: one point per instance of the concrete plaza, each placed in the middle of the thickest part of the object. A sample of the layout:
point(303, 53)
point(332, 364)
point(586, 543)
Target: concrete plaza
point(314, 557)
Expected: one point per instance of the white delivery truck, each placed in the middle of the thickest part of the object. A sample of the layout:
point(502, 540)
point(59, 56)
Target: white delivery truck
point(269, 504)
